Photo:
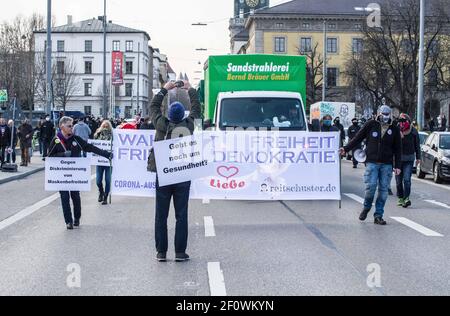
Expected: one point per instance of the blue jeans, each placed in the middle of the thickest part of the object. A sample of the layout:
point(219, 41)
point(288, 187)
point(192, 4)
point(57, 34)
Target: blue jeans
point(107, 171)
point(65, 201)
point(180, 193)
point(404, 180)
point(377, 174)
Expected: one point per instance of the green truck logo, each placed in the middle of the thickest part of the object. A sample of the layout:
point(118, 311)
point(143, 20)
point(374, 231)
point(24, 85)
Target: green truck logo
point(234, 73)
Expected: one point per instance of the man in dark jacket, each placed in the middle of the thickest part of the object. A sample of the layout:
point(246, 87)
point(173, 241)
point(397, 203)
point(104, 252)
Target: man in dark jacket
point(383, 147)
point(25, 136)
point(47, 133)
point(66, 144)
point(340, 127)
point(351, 133)
point(5, 140)
point(410, 152)
point(165, 128)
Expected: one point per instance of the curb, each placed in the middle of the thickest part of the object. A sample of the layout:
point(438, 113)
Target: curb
point(21, 176)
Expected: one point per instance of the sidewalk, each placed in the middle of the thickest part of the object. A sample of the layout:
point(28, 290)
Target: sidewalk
point(36, 165)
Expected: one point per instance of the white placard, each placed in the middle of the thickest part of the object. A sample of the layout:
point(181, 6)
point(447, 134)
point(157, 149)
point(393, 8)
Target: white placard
point(286, 165)
point(182, 159)
point(97, 160)
point(130, 177)
point(67, 174)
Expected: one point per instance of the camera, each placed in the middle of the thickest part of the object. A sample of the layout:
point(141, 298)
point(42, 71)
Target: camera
point(179, 84)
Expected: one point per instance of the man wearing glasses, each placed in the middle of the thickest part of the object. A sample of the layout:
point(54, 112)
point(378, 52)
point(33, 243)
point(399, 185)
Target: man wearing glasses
point(66, 144)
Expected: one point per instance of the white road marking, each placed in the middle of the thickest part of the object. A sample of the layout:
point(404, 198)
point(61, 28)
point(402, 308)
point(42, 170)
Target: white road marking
point(206, 201)
point(28, 211)
point(421, 229)
point(209, 227)
point(355, 197)
point(430, 182)
point(216, 279)
point(438, 203)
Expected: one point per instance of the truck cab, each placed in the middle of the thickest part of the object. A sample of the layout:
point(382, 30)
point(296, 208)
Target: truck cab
point(260, 110)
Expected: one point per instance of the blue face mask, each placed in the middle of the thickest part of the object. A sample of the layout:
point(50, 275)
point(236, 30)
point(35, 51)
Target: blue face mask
point(327, 123)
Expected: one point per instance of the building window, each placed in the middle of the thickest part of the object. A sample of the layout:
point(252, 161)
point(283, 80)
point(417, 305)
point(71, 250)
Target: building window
point(305, 45)
point(306, 25)
point(88, 46)
point(88, 110)
point(128, 89)
point(280, 45)
point(129, 68)
point(88, 89)
point(332, 45)
point(60, 67)
point(433, 77)
point(60, 46)
point(357, 45)
point(129, 46)
point(279, 25)
point(116, 46)
point(332, 77)
point(117, 91)
point(128, 112)
point(60, 88)
point(88, 67)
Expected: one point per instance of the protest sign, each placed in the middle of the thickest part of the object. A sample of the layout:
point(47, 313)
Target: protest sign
point(67, 174)
point(97, 160)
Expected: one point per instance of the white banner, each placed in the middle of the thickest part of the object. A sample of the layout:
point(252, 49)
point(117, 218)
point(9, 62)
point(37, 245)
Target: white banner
point(97, 160)
point(130, 177)
point(183, 159)
point(67, 174)
point(272, 166)
point(246, 165)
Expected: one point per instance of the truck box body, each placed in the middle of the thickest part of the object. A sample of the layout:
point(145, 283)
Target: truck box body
point(344, 110)
point(237, 73)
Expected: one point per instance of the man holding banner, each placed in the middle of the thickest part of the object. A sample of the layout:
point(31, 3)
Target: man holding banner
point(66, 144)
point(176, 125)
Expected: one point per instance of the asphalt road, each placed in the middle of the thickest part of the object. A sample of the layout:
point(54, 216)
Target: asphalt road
point(237, 248)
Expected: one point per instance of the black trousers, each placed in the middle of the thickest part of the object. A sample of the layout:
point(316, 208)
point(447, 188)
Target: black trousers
point(45, 147)
point(180, 194)
point(65, 201)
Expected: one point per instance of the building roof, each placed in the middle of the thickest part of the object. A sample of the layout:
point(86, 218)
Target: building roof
point(242, 36)
point(324, 7)
point(92, 26)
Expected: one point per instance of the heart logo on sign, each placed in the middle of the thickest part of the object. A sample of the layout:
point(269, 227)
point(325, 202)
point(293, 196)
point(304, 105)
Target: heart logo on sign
point(227, 172)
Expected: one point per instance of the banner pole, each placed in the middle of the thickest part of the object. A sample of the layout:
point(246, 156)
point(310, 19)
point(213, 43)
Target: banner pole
point(110, 168)
point(340, 179)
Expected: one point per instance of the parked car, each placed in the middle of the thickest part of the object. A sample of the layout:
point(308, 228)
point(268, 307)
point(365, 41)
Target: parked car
point(422, 138)
point(435, 157)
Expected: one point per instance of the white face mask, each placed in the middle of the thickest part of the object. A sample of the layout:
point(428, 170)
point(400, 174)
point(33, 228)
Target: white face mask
point(47, 119)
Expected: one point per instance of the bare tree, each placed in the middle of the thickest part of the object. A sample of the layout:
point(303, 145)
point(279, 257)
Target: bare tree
point(65, 82)
point(387, 66)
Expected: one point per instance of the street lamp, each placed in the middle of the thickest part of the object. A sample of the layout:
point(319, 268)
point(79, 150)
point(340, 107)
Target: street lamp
point(201, 49)
point(199, 24)
point(420, 101)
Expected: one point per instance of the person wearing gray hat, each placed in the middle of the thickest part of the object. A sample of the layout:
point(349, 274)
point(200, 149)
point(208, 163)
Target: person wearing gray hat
point(383, 148)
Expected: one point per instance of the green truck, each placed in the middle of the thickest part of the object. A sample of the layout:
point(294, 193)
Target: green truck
point(260, 91)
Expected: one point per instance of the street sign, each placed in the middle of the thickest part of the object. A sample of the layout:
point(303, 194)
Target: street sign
point(3, 96)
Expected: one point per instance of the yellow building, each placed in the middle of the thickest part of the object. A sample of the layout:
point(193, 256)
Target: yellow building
point(300, 26)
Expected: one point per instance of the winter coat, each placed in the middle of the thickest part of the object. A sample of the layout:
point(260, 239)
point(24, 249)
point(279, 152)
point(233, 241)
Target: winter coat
point(164, 128)
point(379, 149)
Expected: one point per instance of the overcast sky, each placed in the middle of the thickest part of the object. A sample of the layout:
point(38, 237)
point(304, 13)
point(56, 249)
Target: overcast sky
point(168, 22)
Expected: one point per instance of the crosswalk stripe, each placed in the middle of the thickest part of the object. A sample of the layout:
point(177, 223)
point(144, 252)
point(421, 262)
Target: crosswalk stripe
point(209, 227)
